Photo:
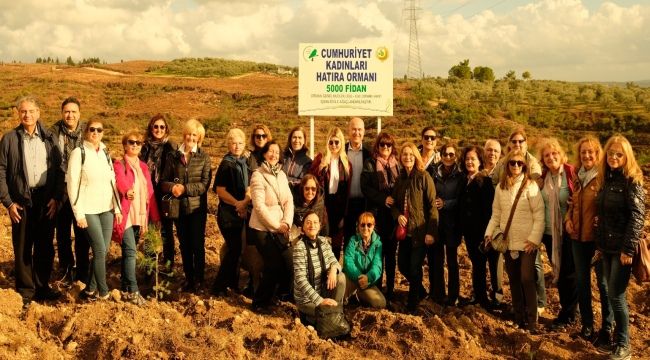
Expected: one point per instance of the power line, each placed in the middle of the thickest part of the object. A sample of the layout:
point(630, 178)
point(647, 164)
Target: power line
point(414, 69)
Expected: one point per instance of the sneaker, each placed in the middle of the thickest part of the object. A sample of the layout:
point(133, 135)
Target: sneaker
point(136, 299)
point(620, 353)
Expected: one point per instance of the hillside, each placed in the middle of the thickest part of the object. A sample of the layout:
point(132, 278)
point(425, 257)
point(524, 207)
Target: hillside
point(202, 327)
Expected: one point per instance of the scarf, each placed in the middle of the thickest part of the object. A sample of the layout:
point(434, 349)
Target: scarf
point(154, 158)
point(139, 203)
point(552, 185)
point(241, 166)
point(585, 176)
point(275, 169)
point(68, 140)
point(387, 171)
point(311, 273)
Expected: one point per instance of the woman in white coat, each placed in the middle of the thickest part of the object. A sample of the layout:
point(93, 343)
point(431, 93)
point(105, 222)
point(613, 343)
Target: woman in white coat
point(524, 234)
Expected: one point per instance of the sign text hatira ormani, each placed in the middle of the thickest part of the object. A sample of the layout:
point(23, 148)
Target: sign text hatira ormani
point(356, 68)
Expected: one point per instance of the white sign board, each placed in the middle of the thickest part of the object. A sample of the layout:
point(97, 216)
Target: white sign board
point(345, 80)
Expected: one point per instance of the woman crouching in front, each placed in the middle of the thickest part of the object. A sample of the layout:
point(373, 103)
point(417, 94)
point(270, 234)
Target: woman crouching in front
point(318, 279)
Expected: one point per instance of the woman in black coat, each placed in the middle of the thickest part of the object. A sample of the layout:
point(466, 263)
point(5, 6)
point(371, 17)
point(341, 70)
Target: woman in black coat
point(621, 209)
point(295, 161)
point(380, 173)
point(475, 210)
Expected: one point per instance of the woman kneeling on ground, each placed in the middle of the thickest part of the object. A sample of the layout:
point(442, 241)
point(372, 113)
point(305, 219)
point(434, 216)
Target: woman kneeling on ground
point(363, 264)
point(318, 279)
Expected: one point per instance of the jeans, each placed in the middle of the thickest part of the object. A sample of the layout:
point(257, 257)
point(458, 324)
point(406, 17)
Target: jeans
point(617, 277)
point(540, 284)
point(410, 260)
point(191, 236)
point(129, 244)
point(582, 254)
point(98, 233)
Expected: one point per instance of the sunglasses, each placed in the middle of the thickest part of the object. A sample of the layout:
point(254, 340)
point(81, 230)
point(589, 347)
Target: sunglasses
point(134, 142)
point(95, 129)
point(429, 137)
point(309, 188)
point(161, 127)
point(517, 141)
point(518, 163)
point(385, 145)
point(449, 155)
point(615, 154)
point(366, 225)
point(260, 136)
point(334, 142)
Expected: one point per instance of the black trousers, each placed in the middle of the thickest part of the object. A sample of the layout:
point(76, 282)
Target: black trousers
point(411, 259)
point(167, 234)
point(33, 242)
point(65, 223)
point(228, 275)
point(480, 260)
point(385, 227)
point(278, 267)
point(355, 207)
point(567, 285)
point(191, 236)
point(436, 255)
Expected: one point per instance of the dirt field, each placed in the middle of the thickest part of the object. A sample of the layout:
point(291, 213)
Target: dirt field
point(199, 326)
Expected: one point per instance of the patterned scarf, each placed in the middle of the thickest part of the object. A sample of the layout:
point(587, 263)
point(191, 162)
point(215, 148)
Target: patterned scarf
point(154, 157)
point(552, 185)
point(387, 171)
point(586, 176)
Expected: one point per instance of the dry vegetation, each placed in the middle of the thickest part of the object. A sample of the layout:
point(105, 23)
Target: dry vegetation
point(200, 327)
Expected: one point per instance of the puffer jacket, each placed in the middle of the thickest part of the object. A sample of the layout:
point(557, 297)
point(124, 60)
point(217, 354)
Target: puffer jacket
point(272, 200)
point(582, 210)
point(423, 215)
point(449, 188)
point(620, 207)
point(195, 176)
point(357, 262)
point(528, 220)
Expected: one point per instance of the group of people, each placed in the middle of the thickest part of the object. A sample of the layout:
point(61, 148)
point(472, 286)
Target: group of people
point(334, 228)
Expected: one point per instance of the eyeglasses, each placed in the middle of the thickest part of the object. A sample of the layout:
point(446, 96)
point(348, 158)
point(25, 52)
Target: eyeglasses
point(518, 163)
point(161, 127)
point(615, 154)
point(514, 141)
point(449, 155)
point(385, 145)
point(260, 136)
point(366, 225)
point(309, 188)
point(429, 137)
point(95, 129)
point(134, 142)
point(334, 142)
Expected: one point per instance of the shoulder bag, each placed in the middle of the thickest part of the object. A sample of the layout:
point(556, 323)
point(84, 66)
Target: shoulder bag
point(499, 240)
point(641, 262)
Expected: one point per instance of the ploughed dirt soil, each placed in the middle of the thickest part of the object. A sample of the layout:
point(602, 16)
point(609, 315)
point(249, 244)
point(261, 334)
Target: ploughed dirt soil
point(199, 326)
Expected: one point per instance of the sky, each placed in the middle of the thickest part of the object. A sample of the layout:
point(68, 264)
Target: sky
point(572, 40)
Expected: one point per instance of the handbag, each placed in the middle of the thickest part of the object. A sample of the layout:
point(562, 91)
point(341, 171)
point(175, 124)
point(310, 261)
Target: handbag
point(641, 262)
point(170, 207)
point(331, 322)
point(500, 240)
point(401, 231)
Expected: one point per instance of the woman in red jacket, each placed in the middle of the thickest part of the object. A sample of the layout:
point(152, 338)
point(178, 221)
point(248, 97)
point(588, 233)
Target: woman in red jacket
point(138, 201)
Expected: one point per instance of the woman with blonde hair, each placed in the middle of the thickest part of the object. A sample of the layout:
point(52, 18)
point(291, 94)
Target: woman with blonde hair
point(187, 178)
point(415, 210)
point(557, 181)
point(334, 171)
point(519, 195)
point(620, 205)
point(579, 224)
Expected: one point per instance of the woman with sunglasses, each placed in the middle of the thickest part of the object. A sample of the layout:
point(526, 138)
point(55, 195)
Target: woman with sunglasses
point(310, 198)
point(187, 177)
point(430, 155)
point(475, 210)
point(380, 173)
point(91, 186)
point(557, 182)
point(414, 208)
point(620, 207)
point(295, 161)
point(157, 146)
point(449, 182)
point(334, 171)
point(518, 141)
point(524, 234)
point(259, 137)
point(139, 206)
point(579, 223)
point(362, 265)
